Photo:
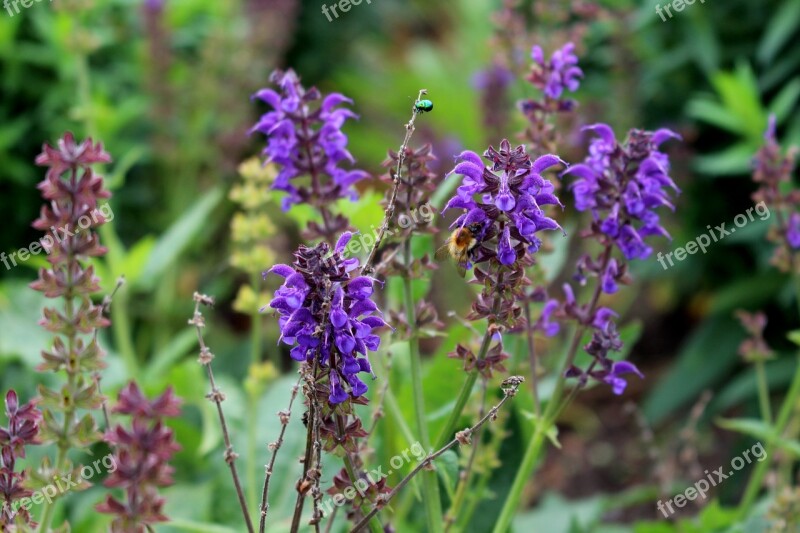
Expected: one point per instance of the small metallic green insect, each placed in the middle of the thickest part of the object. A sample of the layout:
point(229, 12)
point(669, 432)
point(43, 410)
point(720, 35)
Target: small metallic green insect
point(422, 106)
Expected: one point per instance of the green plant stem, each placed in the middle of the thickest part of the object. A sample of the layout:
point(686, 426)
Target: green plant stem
point(69, 410)
point(430, 483)
point(466, 475)
point(763, 392)
point(374, 524)
point(463, 395)
point(553, 409)
point(754, 485)
point(472, 377)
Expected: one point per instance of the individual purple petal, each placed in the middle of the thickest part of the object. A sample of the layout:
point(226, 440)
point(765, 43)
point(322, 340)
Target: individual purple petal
point(342, 242)
point(505, 251)
point(281, 270)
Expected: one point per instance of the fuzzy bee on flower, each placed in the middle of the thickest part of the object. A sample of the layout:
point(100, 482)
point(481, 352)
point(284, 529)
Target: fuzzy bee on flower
point(460, 246)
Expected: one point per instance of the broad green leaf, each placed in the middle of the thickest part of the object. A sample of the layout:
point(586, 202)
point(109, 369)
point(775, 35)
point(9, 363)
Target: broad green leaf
point(447, 468)
point(178, 237)
point(707, 356)
point(727, 162)
point(783, 104)
point(784, 23)
point(761, 431)
point(708, 110)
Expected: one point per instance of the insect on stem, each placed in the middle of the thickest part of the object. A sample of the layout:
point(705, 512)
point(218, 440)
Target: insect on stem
point(420, 106)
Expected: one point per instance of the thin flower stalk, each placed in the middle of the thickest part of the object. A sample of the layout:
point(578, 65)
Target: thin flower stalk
point(510, 387)
point(465, 476)
point(216, 396)
point(275, 447)
point(396, 183)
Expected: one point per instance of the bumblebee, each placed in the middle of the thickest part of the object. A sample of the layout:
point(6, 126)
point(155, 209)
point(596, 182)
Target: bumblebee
point(459, 247)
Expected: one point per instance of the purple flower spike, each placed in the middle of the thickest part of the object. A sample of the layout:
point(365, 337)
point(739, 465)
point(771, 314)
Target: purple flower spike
point(558, 75)
point(305, 139)
point(505, 197)
point(328, 314)
point(793, 232)
point(623, 185)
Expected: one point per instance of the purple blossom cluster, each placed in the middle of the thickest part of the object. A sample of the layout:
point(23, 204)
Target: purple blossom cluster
point(554, 78)
point(623, 185)
point(772, 171)
point(141, 455)
point(605, 339)
point(505, 199)
point(22, 431)
point(561, 73)
point(328, 314)
point(305, 138)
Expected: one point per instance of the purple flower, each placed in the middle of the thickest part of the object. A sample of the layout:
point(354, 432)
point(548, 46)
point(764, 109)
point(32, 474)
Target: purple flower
point(793, 231)
point(305, 138)
point(545, 324)
point(561, 73)
point(505, 198)
point(622, 186)
point(327, 314)
point(618, 369)
point(141, 458)
point(22, 431)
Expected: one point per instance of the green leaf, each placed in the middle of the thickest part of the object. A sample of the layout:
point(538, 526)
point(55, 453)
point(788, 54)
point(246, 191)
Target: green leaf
point(707, 110)
point(783, 104)
point(761, 431)
point(727, 162)
point(740, 95)
point(178, 237)
point(696, 369)
point(783, 24)
point(447, 468)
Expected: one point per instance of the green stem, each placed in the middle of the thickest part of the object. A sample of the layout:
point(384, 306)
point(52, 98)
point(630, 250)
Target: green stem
point(472, 377)
point(466, 389)
point(763, 392)
point(430, 483)
point(523, 473)
point(754, 485)
point(121, 325)
point(374, 524)
point(69, 411)
point(466, 475)
point(554, 408)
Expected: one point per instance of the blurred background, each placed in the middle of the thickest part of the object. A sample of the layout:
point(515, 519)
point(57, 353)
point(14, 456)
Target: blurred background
point(166, 85)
